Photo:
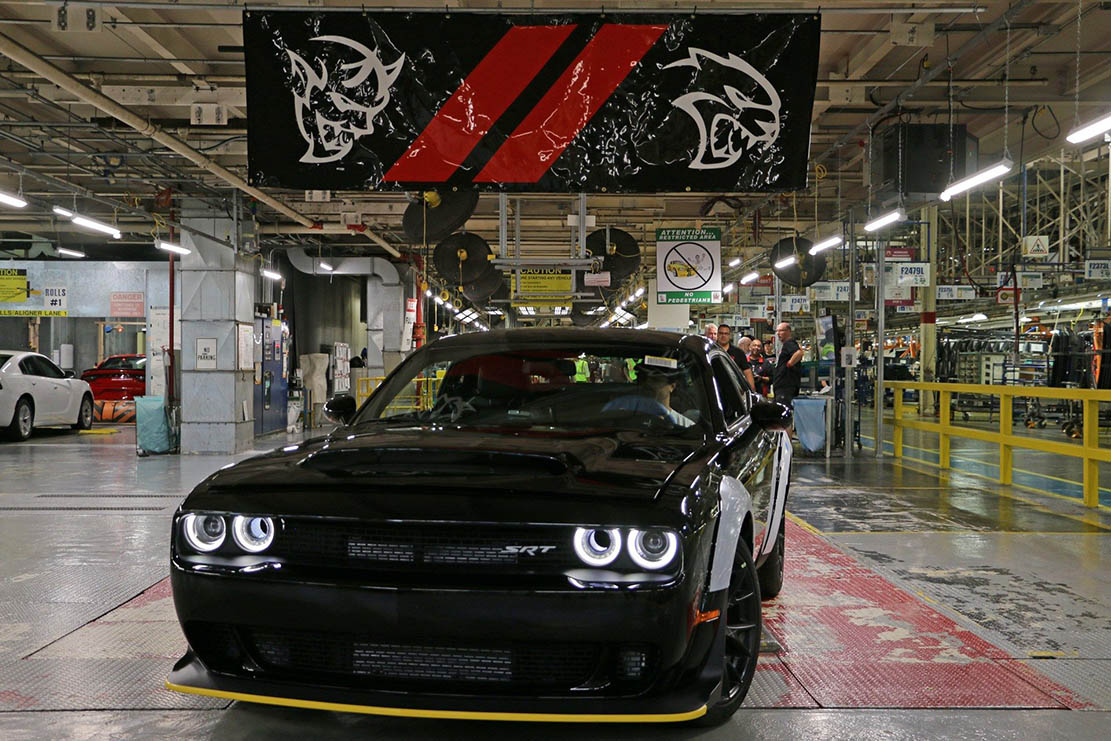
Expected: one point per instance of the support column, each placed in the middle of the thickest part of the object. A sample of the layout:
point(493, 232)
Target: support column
point(927, 330)
point(881, 306)
point(218, 290)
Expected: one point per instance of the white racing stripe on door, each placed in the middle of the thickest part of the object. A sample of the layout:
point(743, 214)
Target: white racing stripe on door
point(736, 502)
point(779, 493)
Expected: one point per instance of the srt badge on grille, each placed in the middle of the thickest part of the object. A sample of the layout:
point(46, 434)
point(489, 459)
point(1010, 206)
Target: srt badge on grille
point(528, 550)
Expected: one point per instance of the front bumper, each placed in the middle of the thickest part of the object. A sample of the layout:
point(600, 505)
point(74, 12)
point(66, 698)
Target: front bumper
point(685, 677)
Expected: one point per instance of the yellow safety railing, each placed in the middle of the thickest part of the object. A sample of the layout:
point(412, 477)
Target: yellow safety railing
point(420, 396)
point(1088, 449)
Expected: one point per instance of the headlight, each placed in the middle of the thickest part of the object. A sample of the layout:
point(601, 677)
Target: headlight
point(203, 532)
point(653, 549)
point(597, 547)
point(252, 534)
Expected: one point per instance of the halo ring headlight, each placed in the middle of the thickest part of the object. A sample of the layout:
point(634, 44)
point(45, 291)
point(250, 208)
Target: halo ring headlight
point(653, 549)
point(597, 546)
point(204, 532)
point(252, 533)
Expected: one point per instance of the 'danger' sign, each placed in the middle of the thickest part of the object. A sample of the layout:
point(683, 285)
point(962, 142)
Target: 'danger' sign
point(554, 103)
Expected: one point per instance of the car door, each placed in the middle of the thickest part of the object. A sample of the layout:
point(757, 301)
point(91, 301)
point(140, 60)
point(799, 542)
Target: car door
point(753, 454)
point(51, 391)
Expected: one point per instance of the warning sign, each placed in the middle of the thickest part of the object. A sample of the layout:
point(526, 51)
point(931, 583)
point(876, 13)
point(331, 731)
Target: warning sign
point(1037, 246)
point(13, 285)
point(545, 280)
point(1007, 295)
point(688, 266)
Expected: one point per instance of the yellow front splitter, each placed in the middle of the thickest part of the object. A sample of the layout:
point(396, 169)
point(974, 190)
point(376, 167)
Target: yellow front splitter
point(448, 714)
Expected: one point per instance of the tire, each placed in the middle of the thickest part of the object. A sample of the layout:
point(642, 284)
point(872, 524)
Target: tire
point(84, 414)
point(23, 420)
point(771, 571)
point(742, 638)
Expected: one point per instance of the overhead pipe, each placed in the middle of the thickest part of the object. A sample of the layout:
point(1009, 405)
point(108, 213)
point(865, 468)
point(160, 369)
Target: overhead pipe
point(318, 228)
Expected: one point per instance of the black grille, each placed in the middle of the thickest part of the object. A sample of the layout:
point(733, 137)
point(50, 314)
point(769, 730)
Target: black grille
point(365, 661)
point(413, 546)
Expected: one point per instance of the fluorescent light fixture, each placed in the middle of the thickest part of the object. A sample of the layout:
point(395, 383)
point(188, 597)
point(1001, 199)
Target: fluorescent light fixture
point(96, 226)
point(1090, 131)
point(977, 317)
point(13, 201)
point(326, 266)
point(562, 310)
point(440, 301)
point(428, 294)
point(70, 253)
point(727, 289)
point(643, 326)
point(888, 218)
point(167, 247)
point(605, 324)
point(63, 212)
point(526, 310)
point(749, 278)
point(825, 245)
point(640, 292)
point(271, 275)
point(786, 262)
point(994, 172)
point(734, 262)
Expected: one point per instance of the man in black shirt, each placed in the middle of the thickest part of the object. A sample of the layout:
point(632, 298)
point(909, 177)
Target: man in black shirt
point(787, 377)
point(725, 334)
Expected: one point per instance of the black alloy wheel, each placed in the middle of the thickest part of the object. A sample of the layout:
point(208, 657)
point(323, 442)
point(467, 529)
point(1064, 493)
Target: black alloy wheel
point(771, 571)
point(742, 638)
point(85, 414)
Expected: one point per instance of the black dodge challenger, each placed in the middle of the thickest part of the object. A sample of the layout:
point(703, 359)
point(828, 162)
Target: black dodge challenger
point(537, 524)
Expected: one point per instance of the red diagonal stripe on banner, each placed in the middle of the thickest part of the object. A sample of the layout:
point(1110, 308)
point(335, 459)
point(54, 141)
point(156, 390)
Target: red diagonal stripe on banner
point(467, 116)
point(565, 109)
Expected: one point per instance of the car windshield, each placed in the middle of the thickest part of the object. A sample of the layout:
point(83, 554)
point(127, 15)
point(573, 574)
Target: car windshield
point(124, 363)
point(575, 388)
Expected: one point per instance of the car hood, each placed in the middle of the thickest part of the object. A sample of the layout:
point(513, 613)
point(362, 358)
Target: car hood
point(621, 464)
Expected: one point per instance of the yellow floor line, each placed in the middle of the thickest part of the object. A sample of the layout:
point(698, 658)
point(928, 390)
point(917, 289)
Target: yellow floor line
point(835, 533)
point(98, 431)
point(803, 523)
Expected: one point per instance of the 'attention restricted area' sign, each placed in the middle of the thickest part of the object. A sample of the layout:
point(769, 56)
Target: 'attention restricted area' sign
point(688, 266)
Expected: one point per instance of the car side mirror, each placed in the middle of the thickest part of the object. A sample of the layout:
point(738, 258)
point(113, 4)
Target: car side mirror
point(70, 374)
point(341, 409)
point(771, 415)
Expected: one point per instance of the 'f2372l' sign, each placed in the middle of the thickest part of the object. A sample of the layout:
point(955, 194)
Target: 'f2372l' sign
point(635, 103)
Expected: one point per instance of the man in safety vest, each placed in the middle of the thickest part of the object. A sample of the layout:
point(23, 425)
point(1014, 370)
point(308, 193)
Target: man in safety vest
point(582, 370)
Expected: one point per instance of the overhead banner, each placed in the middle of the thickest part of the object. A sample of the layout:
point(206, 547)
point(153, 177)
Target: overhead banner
point(544, 103)
point(688, 266)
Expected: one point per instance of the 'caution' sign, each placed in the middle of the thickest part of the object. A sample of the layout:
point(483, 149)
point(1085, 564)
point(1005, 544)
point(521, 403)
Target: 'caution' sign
point(13, 285)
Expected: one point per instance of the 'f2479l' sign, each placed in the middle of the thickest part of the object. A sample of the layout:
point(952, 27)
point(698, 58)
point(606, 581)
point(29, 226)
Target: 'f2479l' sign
point(638, 103)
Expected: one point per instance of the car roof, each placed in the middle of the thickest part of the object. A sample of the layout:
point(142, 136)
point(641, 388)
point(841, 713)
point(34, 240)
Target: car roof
point(126, 355)
point(542, 336)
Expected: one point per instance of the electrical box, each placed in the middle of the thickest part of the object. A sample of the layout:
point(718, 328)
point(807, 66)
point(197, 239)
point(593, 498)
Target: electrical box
point(74, 17)
point(208, 114)
point(904, 33)
point(924, 153)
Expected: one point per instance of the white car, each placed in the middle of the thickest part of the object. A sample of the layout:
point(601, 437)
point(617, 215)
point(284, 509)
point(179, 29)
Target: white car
point(36, 393)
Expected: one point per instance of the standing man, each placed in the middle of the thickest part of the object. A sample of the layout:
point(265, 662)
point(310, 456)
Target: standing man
point(725, 334)
point(711, 333)
point(761, 368)
point(787, 377)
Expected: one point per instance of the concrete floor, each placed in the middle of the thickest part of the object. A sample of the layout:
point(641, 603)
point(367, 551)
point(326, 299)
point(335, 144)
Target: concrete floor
point(979, 597)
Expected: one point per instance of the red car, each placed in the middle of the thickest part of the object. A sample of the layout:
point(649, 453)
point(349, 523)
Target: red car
point(118, 377)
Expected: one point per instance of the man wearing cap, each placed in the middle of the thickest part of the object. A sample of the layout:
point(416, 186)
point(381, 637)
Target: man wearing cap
point(653, 395)
point(725, 334)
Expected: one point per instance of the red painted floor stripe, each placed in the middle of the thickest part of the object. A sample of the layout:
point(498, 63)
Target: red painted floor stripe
point(467, 116)
point(854, 639)
point(565, 109)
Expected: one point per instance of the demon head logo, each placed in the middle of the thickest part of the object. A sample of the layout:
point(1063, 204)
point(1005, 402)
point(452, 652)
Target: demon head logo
point(741, 115)
point(334, 111)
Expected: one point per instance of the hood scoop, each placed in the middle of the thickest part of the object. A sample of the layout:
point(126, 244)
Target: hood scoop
point(418, 462)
